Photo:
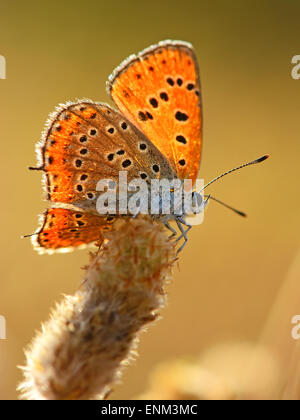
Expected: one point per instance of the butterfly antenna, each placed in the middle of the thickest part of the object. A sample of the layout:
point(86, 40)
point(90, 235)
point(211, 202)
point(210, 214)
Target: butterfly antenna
point(253, 162)
point(210, 197)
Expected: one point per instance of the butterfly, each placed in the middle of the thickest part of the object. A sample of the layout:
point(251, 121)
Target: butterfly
point(155, 132)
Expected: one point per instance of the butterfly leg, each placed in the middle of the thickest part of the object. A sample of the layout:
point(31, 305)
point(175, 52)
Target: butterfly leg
point(180, 222)
point(173, 230)
point(207, 197)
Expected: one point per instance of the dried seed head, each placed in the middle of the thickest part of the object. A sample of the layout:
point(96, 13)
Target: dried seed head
point(90, 335)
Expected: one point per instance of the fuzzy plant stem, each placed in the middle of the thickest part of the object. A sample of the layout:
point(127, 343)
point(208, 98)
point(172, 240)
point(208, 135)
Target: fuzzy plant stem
point(90, 336)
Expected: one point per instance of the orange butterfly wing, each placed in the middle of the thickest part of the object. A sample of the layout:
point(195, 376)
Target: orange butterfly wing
point(63, 229)
point(85, 142)
point(159, 91)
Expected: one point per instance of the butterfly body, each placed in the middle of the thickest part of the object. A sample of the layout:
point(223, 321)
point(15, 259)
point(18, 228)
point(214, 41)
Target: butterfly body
point(156, 133)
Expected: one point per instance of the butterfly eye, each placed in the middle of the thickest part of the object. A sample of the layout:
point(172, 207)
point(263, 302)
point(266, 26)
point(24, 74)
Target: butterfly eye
point(143, 175)
point(90, 196)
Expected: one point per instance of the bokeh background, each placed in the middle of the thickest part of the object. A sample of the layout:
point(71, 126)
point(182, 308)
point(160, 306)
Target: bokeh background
point(232, 269)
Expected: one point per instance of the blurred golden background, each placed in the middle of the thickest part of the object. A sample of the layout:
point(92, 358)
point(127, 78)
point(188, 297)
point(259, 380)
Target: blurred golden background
point(232, 268)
